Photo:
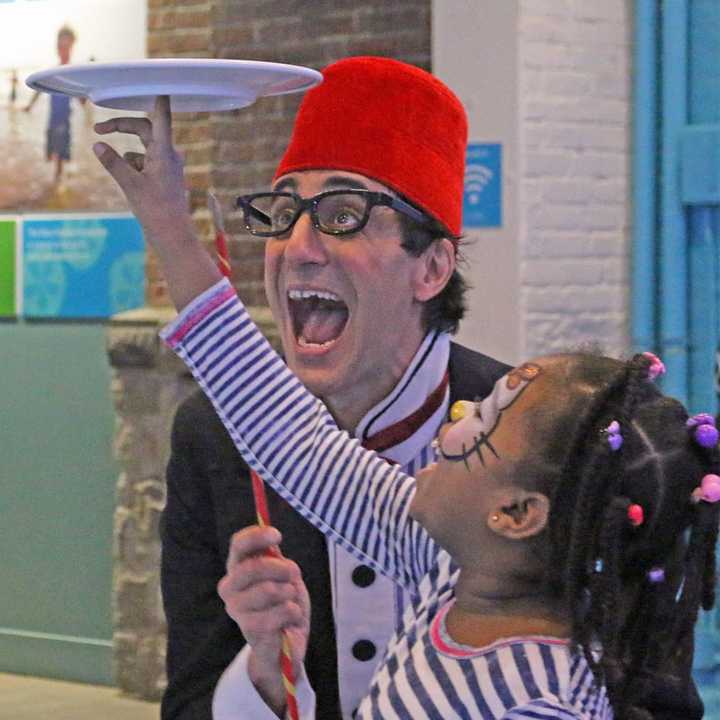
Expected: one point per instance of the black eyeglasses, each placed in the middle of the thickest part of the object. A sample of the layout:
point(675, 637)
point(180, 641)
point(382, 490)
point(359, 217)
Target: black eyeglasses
point(335, 212)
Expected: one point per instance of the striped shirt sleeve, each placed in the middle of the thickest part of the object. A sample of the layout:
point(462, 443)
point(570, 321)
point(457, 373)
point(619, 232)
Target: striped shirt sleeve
point(542, 709)
point(287, 436)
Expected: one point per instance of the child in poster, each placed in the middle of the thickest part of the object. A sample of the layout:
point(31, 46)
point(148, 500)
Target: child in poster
point(57, 144)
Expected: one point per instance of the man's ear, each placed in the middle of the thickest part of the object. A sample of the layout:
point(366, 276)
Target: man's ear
point(434, 268)
point(524, 516)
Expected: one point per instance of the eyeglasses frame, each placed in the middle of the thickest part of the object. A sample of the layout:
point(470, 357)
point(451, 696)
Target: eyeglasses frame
point(373, 197)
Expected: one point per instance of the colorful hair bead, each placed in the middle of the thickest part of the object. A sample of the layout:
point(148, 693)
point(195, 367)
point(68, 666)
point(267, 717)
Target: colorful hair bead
point(656, 575)
point(706, 436)
point(635, 514)
point(708, 490)
point(700, 419)
point(460, 409)
point(656, 367)
point(614, 437)
point(702, 426)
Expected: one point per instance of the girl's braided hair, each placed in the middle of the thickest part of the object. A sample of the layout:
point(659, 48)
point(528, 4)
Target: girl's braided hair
point(627, 626)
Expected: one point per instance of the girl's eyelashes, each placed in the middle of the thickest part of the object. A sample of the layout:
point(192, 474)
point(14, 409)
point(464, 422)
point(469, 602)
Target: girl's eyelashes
point(481, 440)
point(478, 449)
point(491, 446)
point(465, 457)
point(478, 442)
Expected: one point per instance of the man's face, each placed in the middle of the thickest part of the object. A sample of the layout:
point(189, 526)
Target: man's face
point(345, 305)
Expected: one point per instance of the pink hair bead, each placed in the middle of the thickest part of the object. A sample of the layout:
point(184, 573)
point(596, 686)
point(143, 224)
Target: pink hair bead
point(657, 367)
point(709, 489)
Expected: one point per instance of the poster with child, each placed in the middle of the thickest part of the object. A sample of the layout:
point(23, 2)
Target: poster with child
point(45, 139)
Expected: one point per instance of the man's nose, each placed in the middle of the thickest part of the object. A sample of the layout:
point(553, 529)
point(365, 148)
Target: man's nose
point(306, 244)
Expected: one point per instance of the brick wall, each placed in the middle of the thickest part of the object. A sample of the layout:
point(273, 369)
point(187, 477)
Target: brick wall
point(574, 99)
point(236, 152)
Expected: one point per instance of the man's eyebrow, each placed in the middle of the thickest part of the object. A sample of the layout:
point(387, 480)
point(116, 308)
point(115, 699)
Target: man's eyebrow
point(287, 184)
point(334, 182)
point(340, 182)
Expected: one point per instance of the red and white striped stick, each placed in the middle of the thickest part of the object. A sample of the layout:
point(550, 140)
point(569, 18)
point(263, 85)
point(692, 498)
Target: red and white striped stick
point(261, 506)
point(263, 518)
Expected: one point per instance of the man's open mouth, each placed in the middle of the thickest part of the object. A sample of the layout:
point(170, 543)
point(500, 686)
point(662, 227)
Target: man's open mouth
point(318, 317)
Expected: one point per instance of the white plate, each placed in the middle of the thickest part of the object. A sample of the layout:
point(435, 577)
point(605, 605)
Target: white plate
point(194, 85)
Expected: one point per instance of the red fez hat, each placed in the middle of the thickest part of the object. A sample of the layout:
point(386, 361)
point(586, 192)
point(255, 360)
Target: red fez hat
point(391, 122)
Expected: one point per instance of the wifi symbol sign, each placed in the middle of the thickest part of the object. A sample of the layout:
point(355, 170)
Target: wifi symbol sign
point(477, 178)
point(482, 194)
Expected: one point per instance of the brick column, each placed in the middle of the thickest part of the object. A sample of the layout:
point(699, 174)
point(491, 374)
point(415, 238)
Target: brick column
point(237, 152)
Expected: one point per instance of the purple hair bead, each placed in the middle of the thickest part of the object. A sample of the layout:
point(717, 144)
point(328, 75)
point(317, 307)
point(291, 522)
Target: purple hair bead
point(706, 435)
point(614, 438)
point(656, 575)
point(700, 419)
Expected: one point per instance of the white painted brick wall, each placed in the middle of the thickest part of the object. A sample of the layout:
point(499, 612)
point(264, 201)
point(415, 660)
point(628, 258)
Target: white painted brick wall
point(575, 64)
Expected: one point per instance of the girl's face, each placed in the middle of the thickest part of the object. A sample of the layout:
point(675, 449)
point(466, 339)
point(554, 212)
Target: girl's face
point(476, 453)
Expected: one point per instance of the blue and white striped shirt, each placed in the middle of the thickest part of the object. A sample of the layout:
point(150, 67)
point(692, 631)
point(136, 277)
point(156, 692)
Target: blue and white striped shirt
point(360, 502)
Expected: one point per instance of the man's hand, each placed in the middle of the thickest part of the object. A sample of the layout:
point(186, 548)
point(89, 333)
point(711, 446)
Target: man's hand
point(153, 182)
point(265, 595)
point(154, 186)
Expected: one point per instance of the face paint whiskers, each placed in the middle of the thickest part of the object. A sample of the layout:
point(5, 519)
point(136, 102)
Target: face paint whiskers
point(478, 442)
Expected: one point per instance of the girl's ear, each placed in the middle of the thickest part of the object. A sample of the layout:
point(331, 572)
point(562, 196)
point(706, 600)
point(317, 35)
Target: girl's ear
point(434, 269)
point(525, 516)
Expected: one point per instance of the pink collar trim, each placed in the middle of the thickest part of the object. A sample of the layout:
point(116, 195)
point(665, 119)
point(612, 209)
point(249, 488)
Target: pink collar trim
point(456, 650)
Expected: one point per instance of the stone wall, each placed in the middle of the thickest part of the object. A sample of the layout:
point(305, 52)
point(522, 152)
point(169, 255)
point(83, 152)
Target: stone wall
point(228, 153)
point(148, 383)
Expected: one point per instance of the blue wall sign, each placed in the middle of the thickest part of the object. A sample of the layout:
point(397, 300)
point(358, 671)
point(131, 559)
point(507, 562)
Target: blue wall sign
point(82, 267)
point(482, 198)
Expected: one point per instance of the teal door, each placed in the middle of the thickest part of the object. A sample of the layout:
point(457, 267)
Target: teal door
point(676, 223)
point(57, 482)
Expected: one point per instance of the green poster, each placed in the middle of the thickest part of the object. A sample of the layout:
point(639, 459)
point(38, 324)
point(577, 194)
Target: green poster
point(7, 268)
